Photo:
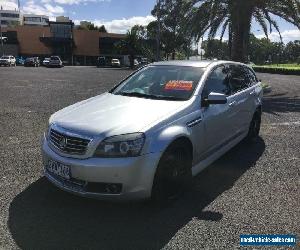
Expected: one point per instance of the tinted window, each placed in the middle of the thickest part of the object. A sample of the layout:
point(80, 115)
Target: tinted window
point(250, 76)
point(54, 58)
point(238, 78)
point(217, 82)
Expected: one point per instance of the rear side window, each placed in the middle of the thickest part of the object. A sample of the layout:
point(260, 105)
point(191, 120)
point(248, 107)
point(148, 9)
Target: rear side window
point(217, 82)
point(238, 78)
point(250, 76)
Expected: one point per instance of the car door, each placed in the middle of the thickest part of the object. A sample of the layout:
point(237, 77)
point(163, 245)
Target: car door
point(254, 91)
point(240, 98)
point(217, 117)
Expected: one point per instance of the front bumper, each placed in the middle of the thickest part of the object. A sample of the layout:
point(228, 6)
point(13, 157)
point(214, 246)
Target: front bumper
point(4, 63)
point(54, 64)
point(29, 64)
point(135, 174)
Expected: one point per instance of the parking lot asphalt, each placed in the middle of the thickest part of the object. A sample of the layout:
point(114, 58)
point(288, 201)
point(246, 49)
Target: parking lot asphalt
point(253, 189)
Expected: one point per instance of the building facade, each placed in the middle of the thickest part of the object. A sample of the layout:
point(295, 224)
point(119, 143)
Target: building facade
point(35, 20)
point(10, 18)
point(75, 47)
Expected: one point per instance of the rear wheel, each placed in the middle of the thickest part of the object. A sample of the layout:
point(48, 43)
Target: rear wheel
point(254, 127)
point(173, 174)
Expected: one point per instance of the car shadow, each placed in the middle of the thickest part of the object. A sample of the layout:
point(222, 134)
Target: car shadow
point(43, 217)
point(279, 103)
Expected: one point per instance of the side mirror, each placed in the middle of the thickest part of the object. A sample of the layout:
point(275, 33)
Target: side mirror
point(214, 98)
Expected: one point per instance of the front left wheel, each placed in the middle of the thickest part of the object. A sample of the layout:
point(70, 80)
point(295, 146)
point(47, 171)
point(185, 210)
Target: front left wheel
point(173, 175)
point(254, 127)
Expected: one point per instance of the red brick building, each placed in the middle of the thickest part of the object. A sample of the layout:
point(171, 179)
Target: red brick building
point(72, 45)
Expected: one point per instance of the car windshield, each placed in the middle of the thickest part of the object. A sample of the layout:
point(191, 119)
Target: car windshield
point(161, 82)
point(4, 57)
point(54, 58)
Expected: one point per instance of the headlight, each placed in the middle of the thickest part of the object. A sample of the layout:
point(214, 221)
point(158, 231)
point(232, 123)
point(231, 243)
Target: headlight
point(121, 146)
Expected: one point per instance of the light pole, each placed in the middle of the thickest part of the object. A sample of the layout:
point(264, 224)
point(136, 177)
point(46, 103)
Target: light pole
point(201, 48)
point(158, 32)
point(2, 49)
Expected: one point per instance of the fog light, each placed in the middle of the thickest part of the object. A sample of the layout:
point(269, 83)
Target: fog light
point(113, 188)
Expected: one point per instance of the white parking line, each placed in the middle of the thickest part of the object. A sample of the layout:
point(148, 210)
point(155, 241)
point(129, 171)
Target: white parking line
point(296, 123)
point(287, 103)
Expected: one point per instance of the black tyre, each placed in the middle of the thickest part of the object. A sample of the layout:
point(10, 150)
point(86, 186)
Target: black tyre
point(254, 127)
point(173, 175)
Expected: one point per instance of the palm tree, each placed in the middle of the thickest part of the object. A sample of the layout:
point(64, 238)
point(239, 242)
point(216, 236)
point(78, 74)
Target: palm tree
point(131, 44)
point(236, 16)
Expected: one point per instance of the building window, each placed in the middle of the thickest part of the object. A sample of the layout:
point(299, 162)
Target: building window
point(32, 19)
point(61, 30)
point(107, 44)
point(11, 15)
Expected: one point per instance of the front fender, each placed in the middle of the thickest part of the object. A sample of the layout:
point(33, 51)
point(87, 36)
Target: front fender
point(160, 141)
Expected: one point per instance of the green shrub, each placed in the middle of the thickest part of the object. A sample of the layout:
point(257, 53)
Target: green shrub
point(277, 70)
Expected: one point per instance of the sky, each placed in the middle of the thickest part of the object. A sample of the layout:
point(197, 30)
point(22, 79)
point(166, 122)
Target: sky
point(118, 15)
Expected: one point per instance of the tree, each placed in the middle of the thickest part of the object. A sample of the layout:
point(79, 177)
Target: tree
point(86, 25)
point(292, 51)
point(236, 16)
point(147, 41)
point(175, 36)
point(216, 49)
point(102, 29)
point(130, 44)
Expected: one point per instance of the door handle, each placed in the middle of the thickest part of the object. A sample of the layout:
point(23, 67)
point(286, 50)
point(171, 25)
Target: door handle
point(252, 92)
point(232, 104)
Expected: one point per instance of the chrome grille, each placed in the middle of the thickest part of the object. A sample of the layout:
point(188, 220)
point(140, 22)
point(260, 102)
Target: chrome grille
point(68, 144)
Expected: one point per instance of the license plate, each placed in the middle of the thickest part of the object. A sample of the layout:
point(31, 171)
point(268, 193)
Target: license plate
point(59, 169)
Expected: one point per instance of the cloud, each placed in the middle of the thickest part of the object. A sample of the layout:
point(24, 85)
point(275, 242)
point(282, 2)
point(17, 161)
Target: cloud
point(287, 36)
point(8, 4)
point(122, 25)
point(31, 7)
point(54, 9)
point(71, 2)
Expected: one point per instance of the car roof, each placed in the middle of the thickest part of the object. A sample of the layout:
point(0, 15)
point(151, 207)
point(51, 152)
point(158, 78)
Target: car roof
point(200, 64)
point(191, 63)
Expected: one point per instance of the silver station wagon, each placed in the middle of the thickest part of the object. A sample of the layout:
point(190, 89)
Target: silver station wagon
point(151, 133)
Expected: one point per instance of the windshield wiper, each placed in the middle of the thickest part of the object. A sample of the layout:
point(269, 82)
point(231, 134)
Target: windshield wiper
point(135, 94)
point(156, 97)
